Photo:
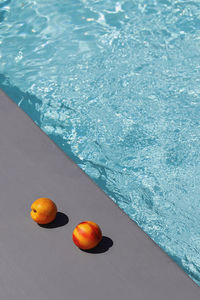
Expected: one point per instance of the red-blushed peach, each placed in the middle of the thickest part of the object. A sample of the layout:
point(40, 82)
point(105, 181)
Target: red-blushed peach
point(43, 211)
point(87, 235)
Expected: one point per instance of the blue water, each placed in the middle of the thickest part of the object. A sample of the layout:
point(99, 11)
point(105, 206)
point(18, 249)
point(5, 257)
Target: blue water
point(117, 86)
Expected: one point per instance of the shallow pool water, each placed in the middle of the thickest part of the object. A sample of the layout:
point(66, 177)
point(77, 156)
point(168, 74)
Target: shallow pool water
point(117, 86)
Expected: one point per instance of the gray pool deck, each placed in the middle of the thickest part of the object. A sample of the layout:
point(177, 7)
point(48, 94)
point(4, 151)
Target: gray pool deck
point(40, 263)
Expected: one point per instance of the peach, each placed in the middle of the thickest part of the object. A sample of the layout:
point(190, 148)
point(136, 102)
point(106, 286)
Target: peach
point(43, 211)
point(87, 235)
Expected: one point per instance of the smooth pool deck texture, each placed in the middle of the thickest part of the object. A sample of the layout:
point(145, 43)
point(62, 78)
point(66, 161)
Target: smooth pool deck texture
point(40, 263)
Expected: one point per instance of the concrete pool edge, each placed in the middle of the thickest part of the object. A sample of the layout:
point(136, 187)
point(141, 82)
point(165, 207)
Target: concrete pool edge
point(27, 103)
point(142, 266)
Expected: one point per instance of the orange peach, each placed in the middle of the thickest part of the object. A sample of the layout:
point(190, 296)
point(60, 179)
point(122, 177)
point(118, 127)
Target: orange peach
point(87, 235)
point(43, 211)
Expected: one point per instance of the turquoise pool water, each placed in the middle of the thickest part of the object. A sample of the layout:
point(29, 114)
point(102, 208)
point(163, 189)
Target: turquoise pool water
point(117, 86)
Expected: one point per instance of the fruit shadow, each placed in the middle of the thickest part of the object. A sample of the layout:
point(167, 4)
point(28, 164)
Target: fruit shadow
point(60, 220)
point(105, 244)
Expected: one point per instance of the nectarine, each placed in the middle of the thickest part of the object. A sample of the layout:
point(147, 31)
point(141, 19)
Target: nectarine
point(87, 235)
